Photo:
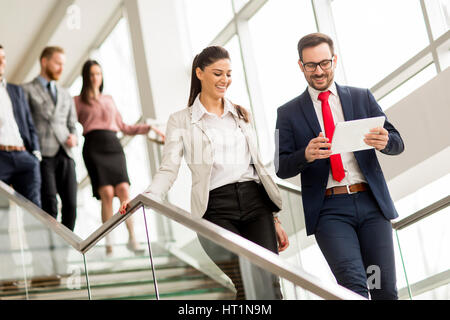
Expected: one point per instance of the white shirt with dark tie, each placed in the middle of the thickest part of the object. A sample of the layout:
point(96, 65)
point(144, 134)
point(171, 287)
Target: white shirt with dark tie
point(353, 173)
point(9, 131)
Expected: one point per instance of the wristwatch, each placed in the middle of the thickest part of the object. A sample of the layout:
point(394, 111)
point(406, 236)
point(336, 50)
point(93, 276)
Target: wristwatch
point(275, 219)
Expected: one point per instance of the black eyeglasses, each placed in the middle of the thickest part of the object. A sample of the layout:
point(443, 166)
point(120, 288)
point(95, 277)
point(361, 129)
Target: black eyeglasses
point(324, 65)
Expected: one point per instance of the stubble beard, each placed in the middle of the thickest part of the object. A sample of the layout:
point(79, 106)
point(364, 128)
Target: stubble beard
point(52, 75)
point(329, 78)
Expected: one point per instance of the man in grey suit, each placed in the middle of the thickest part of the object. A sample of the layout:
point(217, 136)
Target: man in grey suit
point(54, 115)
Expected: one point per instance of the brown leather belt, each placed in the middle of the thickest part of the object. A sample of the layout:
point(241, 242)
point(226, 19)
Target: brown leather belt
point(11, 148)
point(347, 189)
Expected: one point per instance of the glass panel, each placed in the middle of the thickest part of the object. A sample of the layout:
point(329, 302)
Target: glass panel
point(116, 58)
point(444, 55)
point(439, 15)
point(371, 47)
point(199, 268)
point(36, 263)
point(123, 272)
point(237, 92)
point(275, 50)
point(425, 247)
point(302, 251)
point(408, 87)
point(187, 267)
point(205, 19)
point(13, 284)
point(423, 197)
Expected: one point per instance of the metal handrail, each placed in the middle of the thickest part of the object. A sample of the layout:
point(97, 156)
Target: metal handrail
point(421, 214)
point(233, 242)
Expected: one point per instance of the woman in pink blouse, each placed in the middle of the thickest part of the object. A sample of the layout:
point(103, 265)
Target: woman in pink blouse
point(102, 152)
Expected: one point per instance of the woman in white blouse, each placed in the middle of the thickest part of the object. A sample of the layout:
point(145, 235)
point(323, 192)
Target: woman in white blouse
point(230, 186)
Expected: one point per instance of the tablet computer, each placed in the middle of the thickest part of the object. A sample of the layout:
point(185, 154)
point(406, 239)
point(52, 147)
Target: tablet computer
point(349, 135)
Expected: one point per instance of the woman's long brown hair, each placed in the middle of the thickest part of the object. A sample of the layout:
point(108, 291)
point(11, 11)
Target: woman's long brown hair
point(205, 58)
point(87, 84)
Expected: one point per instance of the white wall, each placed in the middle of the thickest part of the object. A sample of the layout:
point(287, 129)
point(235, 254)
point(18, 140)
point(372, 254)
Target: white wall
point(423, 120)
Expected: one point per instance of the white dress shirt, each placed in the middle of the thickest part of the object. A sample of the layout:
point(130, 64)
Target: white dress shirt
point(9, 131)
point(353, 173)
point(232, 159)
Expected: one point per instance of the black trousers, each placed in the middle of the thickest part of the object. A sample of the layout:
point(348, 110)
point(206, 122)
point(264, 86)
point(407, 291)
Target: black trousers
point(21, 170)
point(59, 177)
point(245, 209)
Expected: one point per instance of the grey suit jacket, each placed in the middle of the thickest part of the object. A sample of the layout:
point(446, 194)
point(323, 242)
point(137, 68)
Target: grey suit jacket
point(53, 124)
point(185, 137)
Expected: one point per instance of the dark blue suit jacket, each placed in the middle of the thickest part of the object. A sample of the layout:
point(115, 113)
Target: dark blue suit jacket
point(22, 114)
point(297, 124)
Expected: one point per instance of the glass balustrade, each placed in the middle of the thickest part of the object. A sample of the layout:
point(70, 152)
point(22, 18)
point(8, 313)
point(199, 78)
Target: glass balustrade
point(201, 267)
point(425, 257)
point(35, 262)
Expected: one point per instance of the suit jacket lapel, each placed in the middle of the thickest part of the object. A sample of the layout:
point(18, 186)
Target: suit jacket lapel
point(346, 102)
point(16, 110)
point(307, 107)
point(47, 107)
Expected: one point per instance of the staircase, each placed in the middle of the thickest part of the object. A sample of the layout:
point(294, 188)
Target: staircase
point(124, 276)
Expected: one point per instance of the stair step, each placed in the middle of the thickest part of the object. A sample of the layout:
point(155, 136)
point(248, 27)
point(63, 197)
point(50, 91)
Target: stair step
point(131, 290)
point(126, 276)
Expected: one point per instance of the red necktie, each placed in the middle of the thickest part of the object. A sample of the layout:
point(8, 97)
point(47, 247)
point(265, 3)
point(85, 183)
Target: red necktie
point(337, 169)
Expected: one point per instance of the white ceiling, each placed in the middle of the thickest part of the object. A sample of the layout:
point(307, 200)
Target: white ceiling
point(27, 26)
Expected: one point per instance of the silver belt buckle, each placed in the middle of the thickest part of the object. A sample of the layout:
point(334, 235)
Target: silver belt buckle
point(348, 189)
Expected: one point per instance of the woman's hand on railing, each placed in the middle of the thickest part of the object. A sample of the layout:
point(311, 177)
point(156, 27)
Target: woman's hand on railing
point(124, 207)
point(282, 237)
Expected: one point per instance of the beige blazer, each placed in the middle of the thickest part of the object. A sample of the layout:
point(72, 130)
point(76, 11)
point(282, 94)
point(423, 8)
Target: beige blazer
point(185, 137)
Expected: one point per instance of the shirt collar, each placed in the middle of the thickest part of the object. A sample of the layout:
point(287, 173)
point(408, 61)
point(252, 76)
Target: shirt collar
point(45, 82)
point(199, 110)
point(3, 83)
point(315, 93)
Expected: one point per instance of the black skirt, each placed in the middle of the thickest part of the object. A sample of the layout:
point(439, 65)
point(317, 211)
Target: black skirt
point(104, 159)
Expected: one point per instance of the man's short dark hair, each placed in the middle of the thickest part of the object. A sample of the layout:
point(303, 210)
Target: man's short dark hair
point(312, 40)
point(49, 51)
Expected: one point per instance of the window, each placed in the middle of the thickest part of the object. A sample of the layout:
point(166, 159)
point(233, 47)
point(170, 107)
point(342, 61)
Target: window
point(439, 16)
point(115, 57)
point(275, 50)
point(407, 87)
point(373, 40)
point(205, 19)
point(237, 92)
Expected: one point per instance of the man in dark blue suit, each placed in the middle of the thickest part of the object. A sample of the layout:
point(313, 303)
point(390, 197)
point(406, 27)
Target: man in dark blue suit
point(19, 144)
point(346, 201)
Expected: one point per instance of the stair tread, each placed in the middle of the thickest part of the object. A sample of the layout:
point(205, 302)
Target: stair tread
point(126, 276)
point(111, 292)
